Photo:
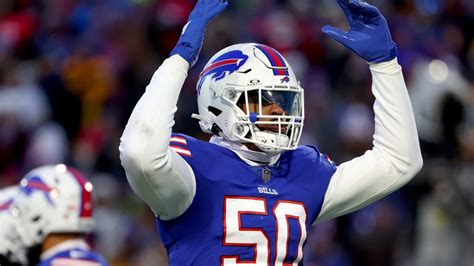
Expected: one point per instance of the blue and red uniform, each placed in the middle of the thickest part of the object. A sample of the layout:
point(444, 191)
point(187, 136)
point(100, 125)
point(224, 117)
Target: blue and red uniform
point(288, 195)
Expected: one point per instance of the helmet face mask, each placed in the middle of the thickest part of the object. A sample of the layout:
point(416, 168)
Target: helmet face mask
point(53, 199)
point(256, 100)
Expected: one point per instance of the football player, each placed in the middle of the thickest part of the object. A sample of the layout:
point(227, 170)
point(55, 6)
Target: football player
point(54, 212)
point(249, 195)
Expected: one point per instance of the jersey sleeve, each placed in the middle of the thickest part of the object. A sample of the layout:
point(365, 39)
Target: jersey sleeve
point(157, 174)
point(395, 157)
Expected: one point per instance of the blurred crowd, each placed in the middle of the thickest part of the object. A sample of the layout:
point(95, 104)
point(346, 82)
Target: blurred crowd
point(71, 72)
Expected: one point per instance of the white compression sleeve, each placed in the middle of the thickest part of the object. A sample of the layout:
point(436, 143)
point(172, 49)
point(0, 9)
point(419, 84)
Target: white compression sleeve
point(395, 157)
point(158, 175)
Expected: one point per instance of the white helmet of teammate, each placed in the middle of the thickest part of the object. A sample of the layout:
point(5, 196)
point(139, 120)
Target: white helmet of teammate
point(53, 199)
point(12, 249)
point(245, 75)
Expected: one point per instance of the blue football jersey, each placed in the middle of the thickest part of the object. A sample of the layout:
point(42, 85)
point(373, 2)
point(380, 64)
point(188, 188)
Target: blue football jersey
point(242, 214)
point(75, 256)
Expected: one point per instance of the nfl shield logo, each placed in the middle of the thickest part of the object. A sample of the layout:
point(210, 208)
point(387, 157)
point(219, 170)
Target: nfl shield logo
point(266, 173)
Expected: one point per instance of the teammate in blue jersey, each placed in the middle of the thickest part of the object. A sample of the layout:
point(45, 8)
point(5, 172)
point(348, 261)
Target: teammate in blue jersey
point(51, 212)
point(249, 195)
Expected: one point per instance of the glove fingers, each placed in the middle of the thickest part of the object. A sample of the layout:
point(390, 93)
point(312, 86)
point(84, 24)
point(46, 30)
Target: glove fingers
point(217, 10)
point(211, 4)
point(202, 7)
point(337, 34)
point(364, 9)
point(344, 4)
point(206, 10)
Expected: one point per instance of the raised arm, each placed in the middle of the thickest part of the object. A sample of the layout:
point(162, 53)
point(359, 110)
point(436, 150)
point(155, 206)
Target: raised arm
point(157, 174)
point(395, 157)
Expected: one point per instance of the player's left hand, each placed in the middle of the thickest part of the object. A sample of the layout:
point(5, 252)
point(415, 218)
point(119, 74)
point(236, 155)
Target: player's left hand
point(189, 45)
point(369, 36)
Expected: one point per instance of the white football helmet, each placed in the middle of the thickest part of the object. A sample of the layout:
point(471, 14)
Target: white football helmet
point(12, 249)
point(53, 199)
point(234, 89)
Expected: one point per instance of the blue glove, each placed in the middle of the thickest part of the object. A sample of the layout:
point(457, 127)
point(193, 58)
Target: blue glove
point(190, 43)
point(369, 36)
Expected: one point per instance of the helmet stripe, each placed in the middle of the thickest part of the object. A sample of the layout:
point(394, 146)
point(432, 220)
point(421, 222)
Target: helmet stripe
point(86, 193)
point(275, 59)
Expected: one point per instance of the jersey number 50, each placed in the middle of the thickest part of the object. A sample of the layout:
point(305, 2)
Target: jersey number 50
point(235, 235)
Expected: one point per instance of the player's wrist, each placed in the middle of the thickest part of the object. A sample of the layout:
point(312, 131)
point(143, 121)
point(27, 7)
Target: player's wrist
point(387, 67)
point(177, 62)
point(184, 50)
point(188, 50)
point(384, 56)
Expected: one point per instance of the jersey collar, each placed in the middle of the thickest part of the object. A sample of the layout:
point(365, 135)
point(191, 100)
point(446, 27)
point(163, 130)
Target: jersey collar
point(66, 245)
point(253, 158)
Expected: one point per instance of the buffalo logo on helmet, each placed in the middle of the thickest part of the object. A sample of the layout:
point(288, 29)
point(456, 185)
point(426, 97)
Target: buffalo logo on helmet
point(6, 205)
point(222, 66)
point(285, 80)
point(32, 184)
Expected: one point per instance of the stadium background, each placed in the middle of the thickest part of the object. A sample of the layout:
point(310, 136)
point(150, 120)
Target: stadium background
point(71, 71)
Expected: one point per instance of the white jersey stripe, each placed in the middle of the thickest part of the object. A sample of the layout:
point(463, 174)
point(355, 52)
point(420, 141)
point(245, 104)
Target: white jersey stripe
point(178, 140)
point(181, 151)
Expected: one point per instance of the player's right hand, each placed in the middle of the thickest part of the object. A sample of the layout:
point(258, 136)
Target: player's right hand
point(190, 42)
